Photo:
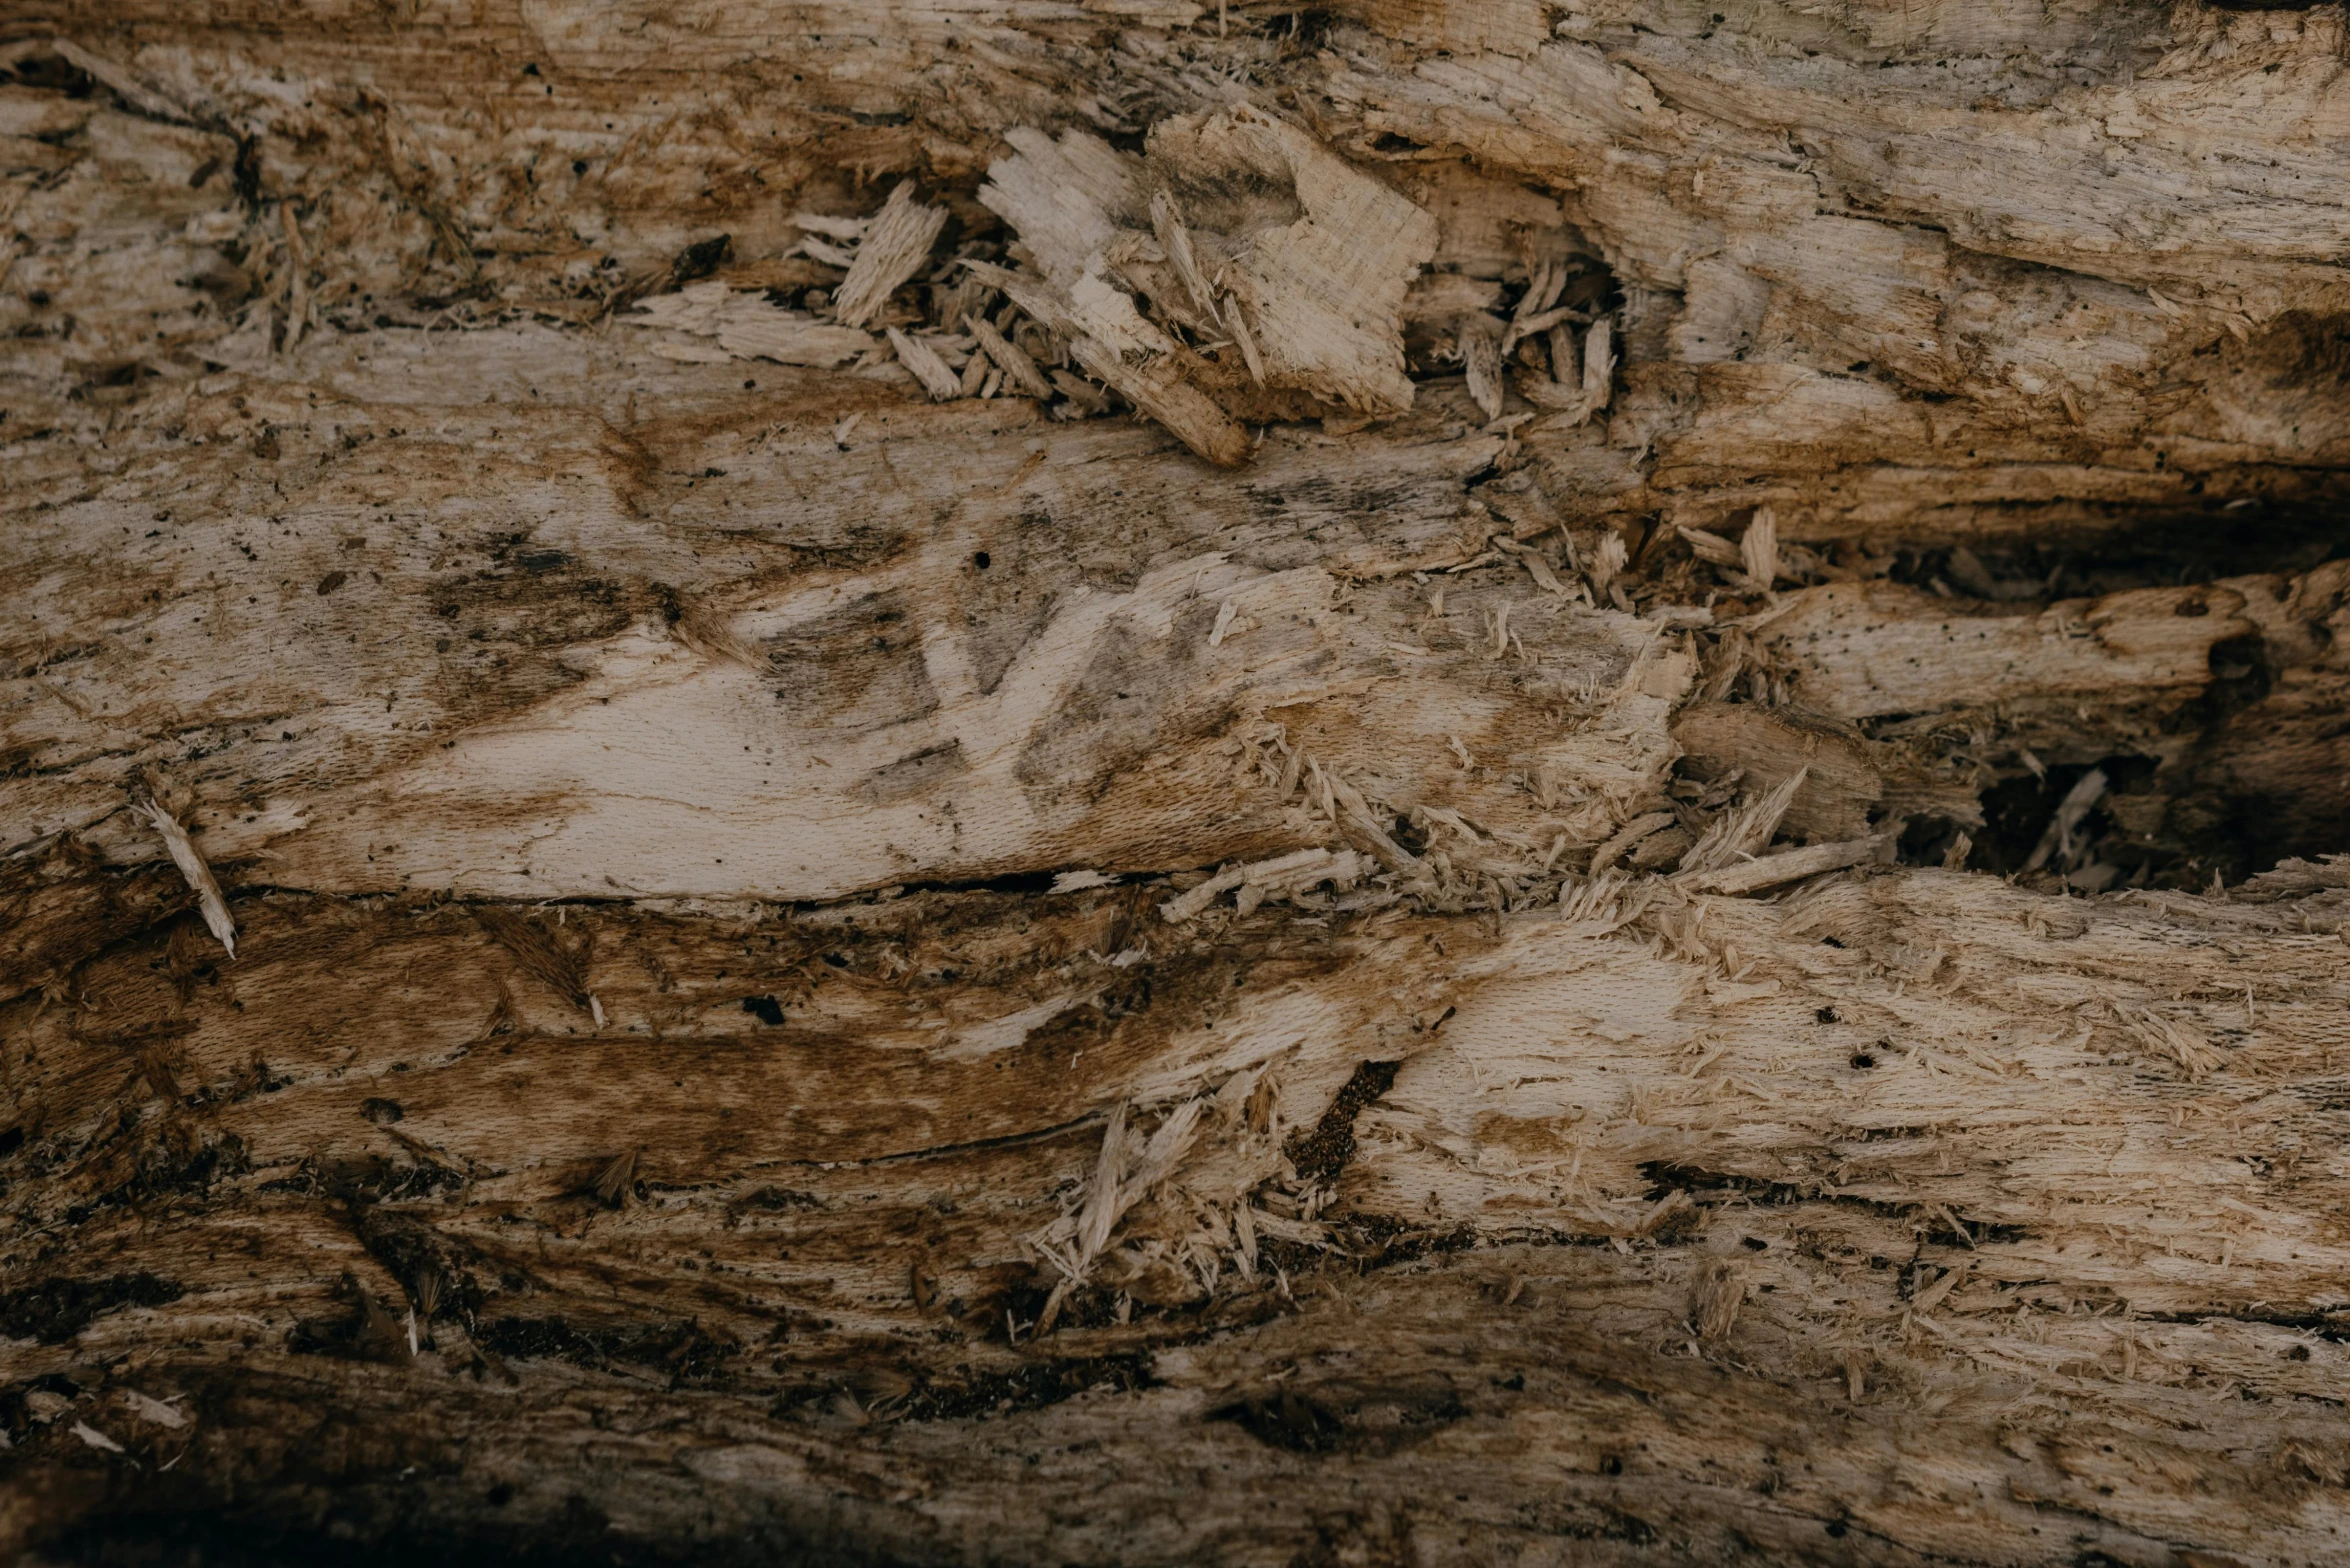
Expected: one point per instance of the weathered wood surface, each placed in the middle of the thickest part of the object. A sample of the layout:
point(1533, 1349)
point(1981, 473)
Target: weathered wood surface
point(1118, 784)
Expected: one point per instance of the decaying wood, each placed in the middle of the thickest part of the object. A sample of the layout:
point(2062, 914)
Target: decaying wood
point(1143, 783)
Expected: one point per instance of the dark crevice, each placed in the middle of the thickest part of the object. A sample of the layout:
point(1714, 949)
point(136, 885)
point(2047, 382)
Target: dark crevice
point(1372, 1417)
point(2221, 780)
point(55, 1310)
point(1665, 1177)
point(964, 1394)
point(683, 1351)
point(2168, 549)
point(2017, 812)
point(2330, 1326)
point(1013, 1140)
point(1321, 1154)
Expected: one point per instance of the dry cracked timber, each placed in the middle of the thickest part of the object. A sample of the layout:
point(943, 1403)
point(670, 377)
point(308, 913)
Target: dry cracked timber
point(1136, 784)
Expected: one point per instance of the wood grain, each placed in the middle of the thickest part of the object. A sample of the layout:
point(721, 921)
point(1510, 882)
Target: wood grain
point(1146, 784)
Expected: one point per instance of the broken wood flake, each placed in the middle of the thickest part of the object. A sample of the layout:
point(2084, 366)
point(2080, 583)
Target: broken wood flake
point(190, 861)
point(895, 245)
point(937, 379)
point(1113, 343)
point(1791, 865)
point(1582, 381)
point(1009, 357)
point(1269, 878)
point(1323, 289)
point(747, 326)
point(1230, 222)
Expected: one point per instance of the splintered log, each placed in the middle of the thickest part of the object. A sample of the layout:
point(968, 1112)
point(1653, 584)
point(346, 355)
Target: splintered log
point(1139, 783)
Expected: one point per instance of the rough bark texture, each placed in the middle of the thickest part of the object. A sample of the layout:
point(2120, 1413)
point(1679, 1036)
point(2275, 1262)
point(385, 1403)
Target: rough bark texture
point(1122, 783)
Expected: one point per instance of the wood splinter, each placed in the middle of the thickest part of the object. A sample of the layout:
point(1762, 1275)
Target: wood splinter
point(190, 861)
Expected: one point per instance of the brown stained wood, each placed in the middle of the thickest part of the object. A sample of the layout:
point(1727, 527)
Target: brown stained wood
point(2045, 1100)
point(1151, 784)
